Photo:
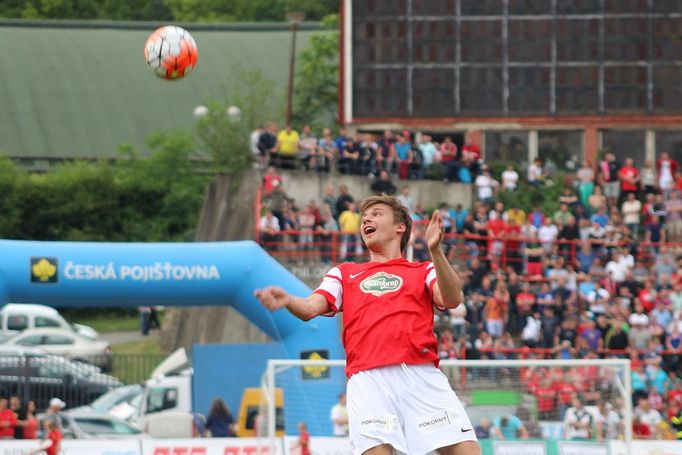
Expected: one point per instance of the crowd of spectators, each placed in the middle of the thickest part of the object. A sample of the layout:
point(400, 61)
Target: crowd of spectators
point(599, 277)
point(403, 155)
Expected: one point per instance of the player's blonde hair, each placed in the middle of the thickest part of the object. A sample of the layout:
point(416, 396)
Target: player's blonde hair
point(400, 213)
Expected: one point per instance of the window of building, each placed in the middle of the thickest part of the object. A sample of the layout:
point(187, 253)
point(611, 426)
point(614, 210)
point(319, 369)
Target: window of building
point(625, 144)
point(671, 142)
point(507, 146)
point(561, 150)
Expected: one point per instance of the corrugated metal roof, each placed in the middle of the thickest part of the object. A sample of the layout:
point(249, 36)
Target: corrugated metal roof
point(80, 92)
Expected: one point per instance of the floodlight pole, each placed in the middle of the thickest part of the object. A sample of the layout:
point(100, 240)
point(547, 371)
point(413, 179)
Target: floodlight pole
point(294, 20)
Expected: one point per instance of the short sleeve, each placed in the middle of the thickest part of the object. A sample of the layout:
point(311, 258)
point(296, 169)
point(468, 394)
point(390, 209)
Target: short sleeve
point(332, 290)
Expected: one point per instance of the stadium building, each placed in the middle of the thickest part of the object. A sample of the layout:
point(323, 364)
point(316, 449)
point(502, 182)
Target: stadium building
point(558, 80)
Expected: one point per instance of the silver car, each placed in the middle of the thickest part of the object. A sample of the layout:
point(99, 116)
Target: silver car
point(91, 425)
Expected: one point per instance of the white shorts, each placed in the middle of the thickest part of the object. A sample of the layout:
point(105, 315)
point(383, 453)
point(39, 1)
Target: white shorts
point(411, 407)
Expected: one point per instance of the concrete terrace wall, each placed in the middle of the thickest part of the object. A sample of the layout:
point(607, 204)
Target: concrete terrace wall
point(304, 186)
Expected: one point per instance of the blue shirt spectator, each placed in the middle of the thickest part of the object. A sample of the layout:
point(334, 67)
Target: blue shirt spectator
point(601, 218)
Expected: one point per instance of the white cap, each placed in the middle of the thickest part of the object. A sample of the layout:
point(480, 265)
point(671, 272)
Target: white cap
point(57, 403)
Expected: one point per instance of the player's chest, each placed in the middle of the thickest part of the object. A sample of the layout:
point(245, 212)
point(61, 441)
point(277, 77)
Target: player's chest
point(381, 288)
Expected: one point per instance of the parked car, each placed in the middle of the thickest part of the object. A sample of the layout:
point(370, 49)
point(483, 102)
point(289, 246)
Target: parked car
point(91, 425)
point(33, 374)
point(66, 343)
point(122, 402)
point(15, 317)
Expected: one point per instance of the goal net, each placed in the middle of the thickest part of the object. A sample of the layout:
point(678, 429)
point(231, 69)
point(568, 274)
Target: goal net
point(552, 399)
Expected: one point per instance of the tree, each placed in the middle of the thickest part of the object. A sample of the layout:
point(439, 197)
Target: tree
point(224, 141)
point(317, 79)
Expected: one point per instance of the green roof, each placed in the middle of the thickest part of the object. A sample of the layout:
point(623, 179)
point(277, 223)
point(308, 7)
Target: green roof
point(80, 91)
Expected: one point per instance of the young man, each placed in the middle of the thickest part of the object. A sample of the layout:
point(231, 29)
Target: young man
point(397, 397)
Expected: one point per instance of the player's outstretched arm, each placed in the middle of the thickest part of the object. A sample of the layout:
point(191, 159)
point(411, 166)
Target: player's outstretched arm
point(447, 292)
point(273, 298)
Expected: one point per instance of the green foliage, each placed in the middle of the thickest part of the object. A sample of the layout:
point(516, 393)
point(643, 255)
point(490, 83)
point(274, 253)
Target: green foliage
point(135, 199)
point(526, 196)
point(157, 10)
point(224, 141)
point(317, 77)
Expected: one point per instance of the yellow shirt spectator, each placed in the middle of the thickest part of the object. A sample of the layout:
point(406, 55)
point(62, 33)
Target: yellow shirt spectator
point(287, 141)
point(517, 215)
point(349, 221)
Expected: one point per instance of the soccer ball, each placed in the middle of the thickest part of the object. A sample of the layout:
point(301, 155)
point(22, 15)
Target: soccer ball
point(171, 52)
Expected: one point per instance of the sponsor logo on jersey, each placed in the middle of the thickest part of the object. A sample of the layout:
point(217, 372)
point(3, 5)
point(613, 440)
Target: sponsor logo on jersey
point(381, 283)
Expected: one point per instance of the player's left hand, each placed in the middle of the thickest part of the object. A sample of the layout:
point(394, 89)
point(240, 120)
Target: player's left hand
point(434, 231)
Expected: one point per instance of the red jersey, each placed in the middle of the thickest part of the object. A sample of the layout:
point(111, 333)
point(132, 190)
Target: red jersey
point(56, 437)
point(304, 441)
point(8, 420)
point(387, 312)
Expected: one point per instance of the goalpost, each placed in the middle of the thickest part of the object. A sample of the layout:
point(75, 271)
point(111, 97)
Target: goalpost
point(540, 390)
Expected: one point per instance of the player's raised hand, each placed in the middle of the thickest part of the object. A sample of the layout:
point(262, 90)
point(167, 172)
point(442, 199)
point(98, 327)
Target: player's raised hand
point(272, 297)
point(434, 231)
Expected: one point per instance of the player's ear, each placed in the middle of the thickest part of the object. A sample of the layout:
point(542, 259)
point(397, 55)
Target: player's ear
point(400, 228)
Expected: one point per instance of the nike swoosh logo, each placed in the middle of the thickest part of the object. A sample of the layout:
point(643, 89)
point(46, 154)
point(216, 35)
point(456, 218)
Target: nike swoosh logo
point(466, 431)
point(355, 275)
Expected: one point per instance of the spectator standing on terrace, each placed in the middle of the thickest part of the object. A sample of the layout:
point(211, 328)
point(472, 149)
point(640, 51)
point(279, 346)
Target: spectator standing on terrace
point(271, 179)
point(449, 158)
point(655, 234)
point(535, 175)
point(648, 174)
point(327, 152)
point(510, 178)
point(306, 223)
point(343, 199)
point(666, 169)
point(307, 148)
point(406, 200)
point(471, 155)
point(386, 156)
point(608, 177)
point(631, 209)
point(585, 182)
point(402, 150)
point(547, 235)
point(429, 151)
point(269, 230)
point(349, 224)
point(325, 230)
point(8, 420)
point(486, 186)
point(383, 184)
point(267, 143)
point(369, 151)
point(673, 218)
point(258, 157)
point(287, 147)
point(629, 178)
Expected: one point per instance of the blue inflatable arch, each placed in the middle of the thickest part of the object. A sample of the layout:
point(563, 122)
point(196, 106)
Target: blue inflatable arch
point(82, 274)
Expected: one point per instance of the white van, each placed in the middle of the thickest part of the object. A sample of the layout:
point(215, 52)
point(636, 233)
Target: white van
point(15, 317)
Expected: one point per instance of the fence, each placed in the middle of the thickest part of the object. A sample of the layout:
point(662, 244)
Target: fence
point(41, 377)
point(334, 247)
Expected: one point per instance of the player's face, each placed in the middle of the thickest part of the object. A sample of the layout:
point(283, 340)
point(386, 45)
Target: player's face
point(379, 227)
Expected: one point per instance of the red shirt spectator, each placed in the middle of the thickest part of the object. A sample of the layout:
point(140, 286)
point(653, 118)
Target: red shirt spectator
point(271, 180)
point(546, 398)
point(565, 390)
point(471, 151)
point(641, 430)
point(629, 177)
point(8, 420)
point(448, 150)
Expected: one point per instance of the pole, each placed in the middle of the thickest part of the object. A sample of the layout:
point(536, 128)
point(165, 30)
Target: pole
point(292, 66)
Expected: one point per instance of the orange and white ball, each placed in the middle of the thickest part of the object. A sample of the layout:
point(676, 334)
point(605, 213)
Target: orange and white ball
point(171, 52)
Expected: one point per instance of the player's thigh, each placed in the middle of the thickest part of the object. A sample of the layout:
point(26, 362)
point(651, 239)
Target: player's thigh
point(433, 415)
point(374, 416)
point(383, 449)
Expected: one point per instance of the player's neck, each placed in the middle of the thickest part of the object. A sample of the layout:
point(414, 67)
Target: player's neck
point(385, 254)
